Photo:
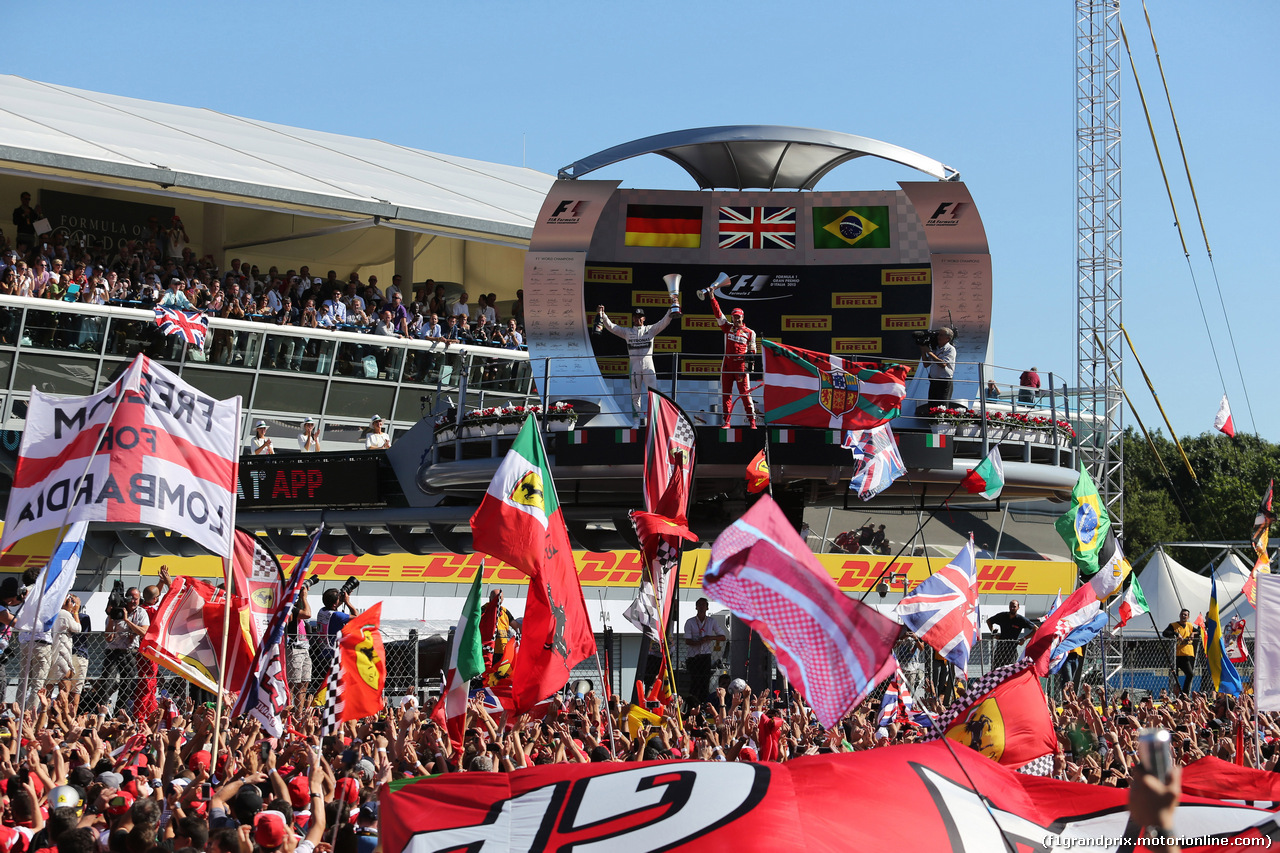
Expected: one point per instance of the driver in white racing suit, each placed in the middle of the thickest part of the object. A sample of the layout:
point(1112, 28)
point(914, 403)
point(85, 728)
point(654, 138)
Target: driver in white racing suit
point(639, 340)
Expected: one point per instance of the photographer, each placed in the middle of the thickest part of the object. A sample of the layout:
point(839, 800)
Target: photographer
point(329, 623)
point(941, 358)
point(126, 623)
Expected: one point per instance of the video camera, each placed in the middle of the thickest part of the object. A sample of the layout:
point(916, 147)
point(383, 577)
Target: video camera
point(928, 338)
point(116, 601)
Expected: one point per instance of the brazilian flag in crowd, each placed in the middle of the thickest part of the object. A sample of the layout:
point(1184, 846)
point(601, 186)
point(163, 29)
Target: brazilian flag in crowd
point(1085, 525)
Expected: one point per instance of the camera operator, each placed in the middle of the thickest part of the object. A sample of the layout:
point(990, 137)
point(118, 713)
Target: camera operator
point(941, 358)
point(126, 623)
point(329, 623)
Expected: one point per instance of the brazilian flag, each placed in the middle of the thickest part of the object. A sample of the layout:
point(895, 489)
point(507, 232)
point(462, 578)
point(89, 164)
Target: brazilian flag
point(1084, 527)
point(851, 228)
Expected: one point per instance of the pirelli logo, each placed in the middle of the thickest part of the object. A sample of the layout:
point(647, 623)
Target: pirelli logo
point(915, 275)
point(700, 366)
point(806, 322)
point(899, 322)
point(613, 366)
point(623, 320)
point(651, 298)
point(698, 323)
point(847, 346)
point(609, 275)
point(665, 344)
point(856, 300)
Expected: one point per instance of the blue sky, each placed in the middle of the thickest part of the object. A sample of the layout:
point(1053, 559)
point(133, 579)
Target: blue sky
point(986, 88)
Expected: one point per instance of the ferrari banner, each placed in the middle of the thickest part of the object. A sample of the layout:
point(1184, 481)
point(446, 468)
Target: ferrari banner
point(914, 797)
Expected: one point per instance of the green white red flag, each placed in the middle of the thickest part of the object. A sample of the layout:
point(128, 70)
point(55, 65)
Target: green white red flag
point(520, 522)
point(986, 480)
point(466, 661)
point(1134, 603)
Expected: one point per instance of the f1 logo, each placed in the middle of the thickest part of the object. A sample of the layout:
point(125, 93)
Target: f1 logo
point(948, 210)
point(570, 205)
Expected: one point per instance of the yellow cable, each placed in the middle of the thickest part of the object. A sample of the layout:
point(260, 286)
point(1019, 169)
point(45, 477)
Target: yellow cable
point(1173, 435)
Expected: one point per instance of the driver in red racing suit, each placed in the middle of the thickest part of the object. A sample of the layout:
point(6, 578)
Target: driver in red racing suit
point(739, 341)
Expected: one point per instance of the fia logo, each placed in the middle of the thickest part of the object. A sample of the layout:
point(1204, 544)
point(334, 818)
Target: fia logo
point(567, 212)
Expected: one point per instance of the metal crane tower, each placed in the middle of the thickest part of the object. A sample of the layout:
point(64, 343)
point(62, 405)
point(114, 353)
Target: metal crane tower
point(1099, 377)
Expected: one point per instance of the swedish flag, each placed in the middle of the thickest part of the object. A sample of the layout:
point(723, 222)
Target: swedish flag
point(1225, 677)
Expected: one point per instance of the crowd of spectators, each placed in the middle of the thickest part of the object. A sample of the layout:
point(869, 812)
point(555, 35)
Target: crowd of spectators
point(164, 269)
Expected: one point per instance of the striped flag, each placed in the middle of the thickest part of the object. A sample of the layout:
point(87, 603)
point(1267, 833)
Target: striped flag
point(466, 661)
point(54, 582)
point(987, 479)
point(1222, 421)
point(265, 694)
point(1133, 602)
point(191, 326)
point(835, 649)
point(803, 388)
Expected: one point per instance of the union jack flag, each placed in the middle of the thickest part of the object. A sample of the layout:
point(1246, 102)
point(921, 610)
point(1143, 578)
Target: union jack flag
point(896, 706)
point(757, 228)
point(191, 326)
point(943, 611)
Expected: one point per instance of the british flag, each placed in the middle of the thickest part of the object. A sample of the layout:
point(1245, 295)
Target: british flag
point(943, 611)
point(896, 706)
point(757, 228)
point(191, 326)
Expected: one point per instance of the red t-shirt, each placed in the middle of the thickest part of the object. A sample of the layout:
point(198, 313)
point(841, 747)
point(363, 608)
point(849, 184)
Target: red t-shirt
point(770, 738)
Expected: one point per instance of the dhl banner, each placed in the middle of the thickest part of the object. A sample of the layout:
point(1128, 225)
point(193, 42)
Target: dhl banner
point(852, 573)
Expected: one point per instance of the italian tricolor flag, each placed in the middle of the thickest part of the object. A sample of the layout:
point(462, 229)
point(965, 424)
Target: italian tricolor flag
point(1134, 602)
point(519, 522)
point(466, 661)
point(988, 478)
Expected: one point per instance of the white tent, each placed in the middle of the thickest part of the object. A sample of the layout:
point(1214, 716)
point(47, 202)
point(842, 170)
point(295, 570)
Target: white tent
point(1170, 586)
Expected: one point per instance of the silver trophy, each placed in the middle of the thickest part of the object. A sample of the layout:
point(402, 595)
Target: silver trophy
point(721, 281)
point(672, 281)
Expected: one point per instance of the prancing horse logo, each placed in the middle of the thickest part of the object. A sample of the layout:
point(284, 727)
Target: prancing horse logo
point(557, 643)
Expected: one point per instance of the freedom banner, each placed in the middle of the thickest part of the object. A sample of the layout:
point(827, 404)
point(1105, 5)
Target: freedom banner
point(165, 458)
point(911, 796)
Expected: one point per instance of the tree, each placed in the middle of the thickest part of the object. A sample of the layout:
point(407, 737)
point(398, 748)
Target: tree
point(1232, 474)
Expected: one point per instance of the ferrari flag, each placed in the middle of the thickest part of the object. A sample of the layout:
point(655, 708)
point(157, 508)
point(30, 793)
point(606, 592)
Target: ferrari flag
point(158, 452)
point(1004, 716)
point(519, 522)
point(835, 649)
point(809, 389)
point(186, 634)
point(911, 796)
point(363, 665)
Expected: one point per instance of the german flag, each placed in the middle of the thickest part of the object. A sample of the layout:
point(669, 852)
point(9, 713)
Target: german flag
point(664, 225)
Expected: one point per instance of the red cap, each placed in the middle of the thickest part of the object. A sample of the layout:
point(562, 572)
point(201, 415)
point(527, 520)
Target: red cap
point(269, 829)
point(747, 754)
point(737, 312)
point(299, 792)
point(200, 760)
point(348, 791)
point(120, 804)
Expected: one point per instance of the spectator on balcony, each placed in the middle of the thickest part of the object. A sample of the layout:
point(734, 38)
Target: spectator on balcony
point(430, 329)
point(992, 393)
point(394, 289)
point(24, 220)
point(233, 274)
point(374, 437)
point(399, 314)
point(177, 237)
point(262, 444)
point(461, 308)
point(1029, 384)
point(354, 300)
point(325, 318)
point(438, 304)
point(371, 290)
point(337, 308)
point(488, 310)
point(511, 337)
point(517, 310)
point(175, 298)
point(42, 276)
point(309, 439)
point(941, 359)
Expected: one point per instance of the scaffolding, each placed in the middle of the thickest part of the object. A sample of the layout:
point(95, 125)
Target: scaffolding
point(1099, 376)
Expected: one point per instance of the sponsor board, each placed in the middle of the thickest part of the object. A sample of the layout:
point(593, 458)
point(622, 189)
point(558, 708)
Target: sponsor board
point(866, 299)
point(847, 346)
point(806, 322)
point(899, 322)
point(613, 366)
point(916, 275)
point(609, 275)
point(852, 573)
point(700, 366)
point(651, 299)
point(698, 323)
point(666, 344)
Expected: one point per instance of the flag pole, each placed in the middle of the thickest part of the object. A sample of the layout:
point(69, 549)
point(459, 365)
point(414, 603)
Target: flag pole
point(226, 617)
point(908, 541)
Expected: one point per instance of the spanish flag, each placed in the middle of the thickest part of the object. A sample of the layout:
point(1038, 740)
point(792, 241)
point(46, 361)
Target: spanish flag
point(664, 225)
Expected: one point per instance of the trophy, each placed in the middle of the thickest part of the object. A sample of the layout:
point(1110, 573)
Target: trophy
point(721, 281)
point(673, 287)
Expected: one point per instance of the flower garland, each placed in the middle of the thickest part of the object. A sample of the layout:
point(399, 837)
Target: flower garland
point(1010, 420)
point(506, 415)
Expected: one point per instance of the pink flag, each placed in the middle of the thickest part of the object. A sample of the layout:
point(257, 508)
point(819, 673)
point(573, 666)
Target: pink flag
point(1222, 422)
point(833, 648)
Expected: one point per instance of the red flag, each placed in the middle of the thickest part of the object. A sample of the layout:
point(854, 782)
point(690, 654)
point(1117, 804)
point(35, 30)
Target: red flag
point(1222, 421)
point(363, 664)
point(520, 522)
point(804, 388)
point(1007, 719)
point(758, 474)
point(186, 635)
point(819, 803)
point(835, 649)
point(255, 572)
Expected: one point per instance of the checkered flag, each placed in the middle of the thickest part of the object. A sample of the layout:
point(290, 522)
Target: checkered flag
point(645, 612)
point(331, 711)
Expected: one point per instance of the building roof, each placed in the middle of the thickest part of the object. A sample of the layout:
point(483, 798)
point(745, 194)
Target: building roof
point(759, 155)
point(240, 161)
